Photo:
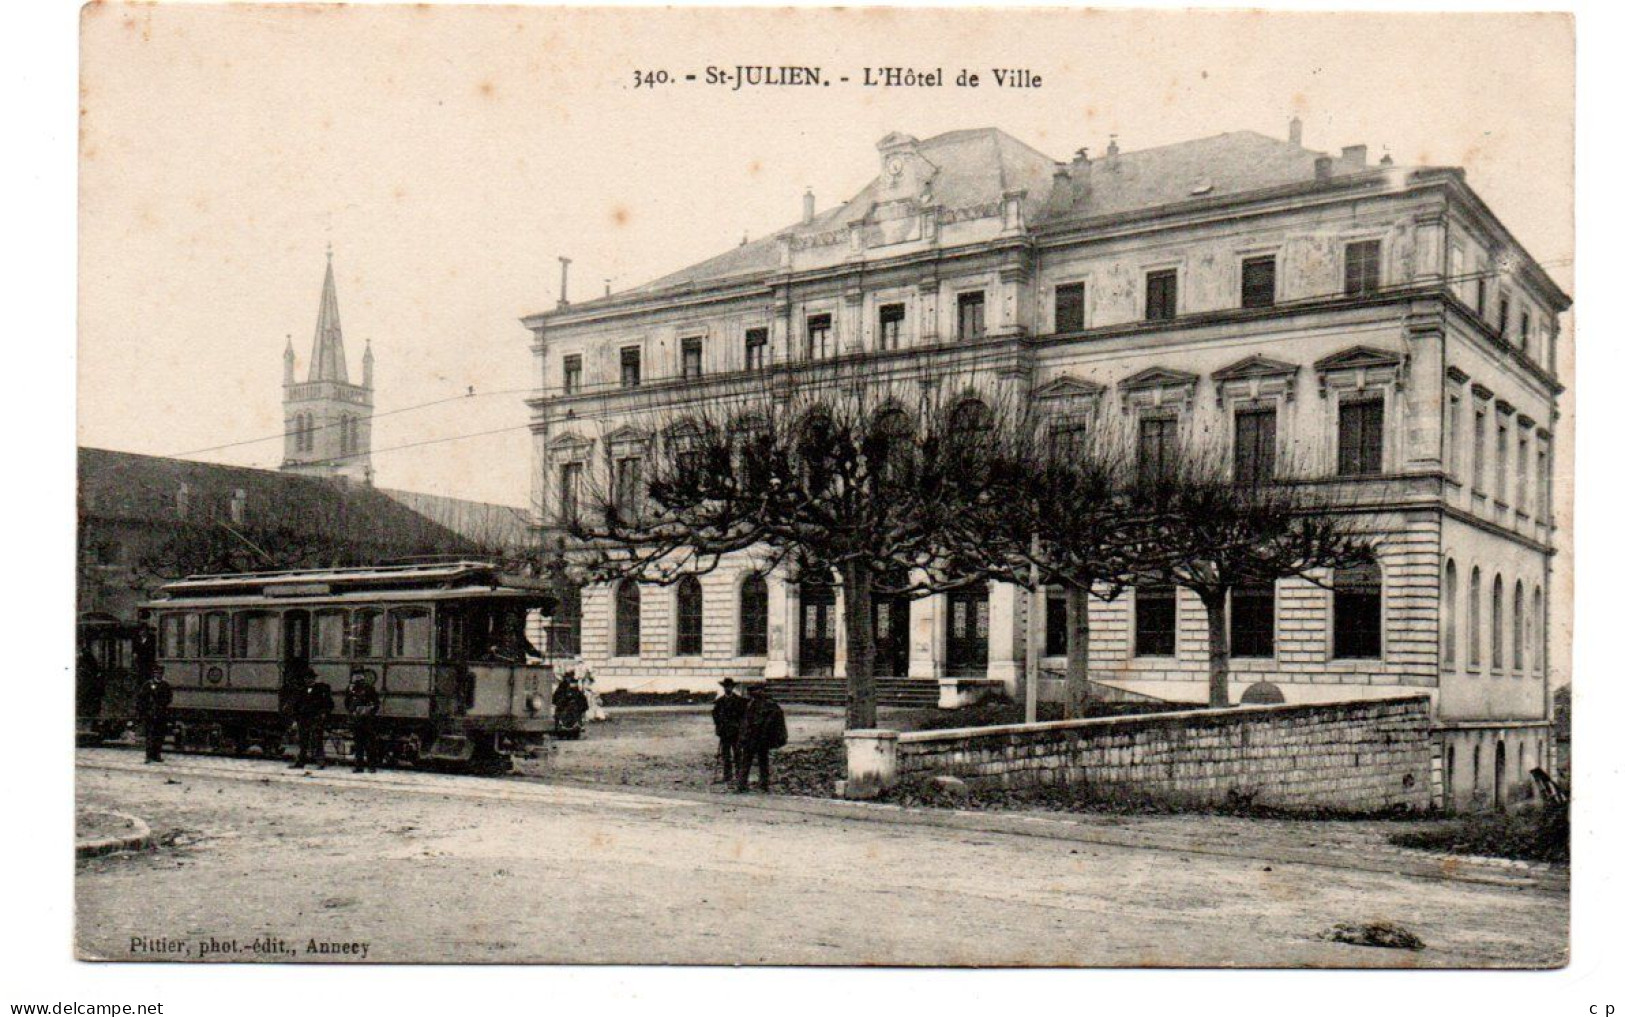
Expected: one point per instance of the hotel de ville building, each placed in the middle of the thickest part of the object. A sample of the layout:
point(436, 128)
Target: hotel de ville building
point(1375, 318)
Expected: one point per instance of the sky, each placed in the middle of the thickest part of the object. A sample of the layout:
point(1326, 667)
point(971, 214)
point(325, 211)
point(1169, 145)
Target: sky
point(452, 155)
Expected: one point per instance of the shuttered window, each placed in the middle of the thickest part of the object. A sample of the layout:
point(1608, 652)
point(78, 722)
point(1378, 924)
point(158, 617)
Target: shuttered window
point(1255, 445)
point(753, 616)
point(1258, 282)
point(1361, 268)
point(1155, 613)
point(1359, 437)
point(1069, 307)
point(1159, 445)
point(1161, 294)
point(628, 619)
point(690, 617)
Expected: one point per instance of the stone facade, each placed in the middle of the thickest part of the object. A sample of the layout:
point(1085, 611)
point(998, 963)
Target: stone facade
point(1358, 756)
point(1190, 283)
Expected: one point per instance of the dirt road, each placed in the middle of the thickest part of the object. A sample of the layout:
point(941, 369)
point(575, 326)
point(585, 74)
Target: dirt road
point(271, 865)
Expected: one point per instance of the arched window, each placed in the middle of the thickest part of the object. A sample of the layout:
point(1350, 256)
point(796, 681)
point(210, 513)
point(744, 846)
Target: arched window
point(890, 441)
point(1517, 628)
point(690, 617)
point(564, 628)
point(1474, 645)
point(971, 415)
point(1448, 648)
point(1357, 613)
point(753, 616)
point(628, 619)
point(1497, 640)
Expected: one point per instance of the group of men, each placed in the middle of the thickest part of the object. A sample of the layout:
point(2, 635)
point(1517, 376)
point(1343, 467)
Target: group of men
point(748, 728)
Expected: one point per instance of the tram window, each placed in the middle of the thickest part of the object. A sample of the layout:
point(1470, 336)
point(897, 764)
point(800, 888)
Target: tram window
point(367, 633)
point(453, 626)
point(216, 634)
point(409, 632)
point(172, 641)
point(327, 642)
point(255, 636)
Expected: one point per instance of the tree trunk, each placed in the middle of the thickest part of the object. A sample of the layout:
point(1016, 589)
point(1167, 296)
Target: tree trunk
point(1077, 651)
point(857, 583)
point(1218, 651)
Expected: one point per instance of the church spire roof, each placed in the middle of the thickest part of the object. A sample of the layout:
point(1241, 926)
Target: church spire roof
point(327, 351)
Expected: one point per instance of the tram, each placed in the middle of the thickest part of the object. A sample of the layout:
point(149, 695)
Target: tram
point(444, 642)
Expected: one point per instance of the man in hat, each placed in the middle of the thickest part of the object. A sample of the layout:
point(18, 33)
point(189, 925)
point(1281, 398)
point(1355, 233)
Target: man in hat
point(363, 704)
point(762, 730)
point(152, 701)
point(727, 715)
point(312, 705)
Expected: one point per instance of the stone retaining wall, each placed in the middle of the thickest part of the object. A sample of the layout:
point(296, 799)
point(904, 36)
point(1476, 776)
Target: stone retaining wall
point(1355, 756)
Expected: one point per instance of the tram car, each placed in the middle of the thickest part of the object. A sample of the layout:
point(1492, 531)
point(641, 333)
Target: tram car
point(445, 644)
point(104, 671)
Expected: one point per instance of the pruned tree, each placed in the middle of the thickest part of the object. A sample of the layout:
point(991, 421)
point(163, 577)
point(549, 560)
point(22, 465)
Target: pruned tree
point(1214, 527)
point(1064, 516)
point(871, 483)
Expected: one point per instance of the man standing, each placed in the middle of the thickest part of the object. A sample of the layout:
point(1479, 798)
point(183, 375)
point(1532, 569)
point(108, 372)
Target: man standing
point(762, 730)
point(152, 701)
point(362, 703)
point(144, 647)
point(727, 715)
point(312, 705)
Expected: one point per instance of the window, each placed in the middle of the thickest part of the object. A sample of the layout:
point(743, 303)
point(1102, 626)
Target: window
point(1497, 619)
point(367, 633)
point(818, 327)
point(631, 367)
point(1503, 318)
point(1069, 307)
point(1481, 289)
point(1155, 612)
point(629, 486)
point(409, 633)
point(1520, 496)
point(1255, 445)
point(1069, 435)
point(1517, 627)
point(1501, 461)
point(753, 616)
point(1159, 445)
point(569, 492)
point(1357, 613)
point(254, 635)
point(177, 635)
point(693, 348)
point(690, 617)
point(891, 326)
point(1453, 463)
point(1523, 332)
point(1362, 268)
point(972, 315)
point(1537, 634)
point(1252, 621)
point(328, 631)
point(1161, 294)
point(1475, 645)
point(628, 619)
point(216, 634)
point(755, 349)
point(572, 373)
point(1447, 648)
point(1359, 437)
point(1258, 282)
point(1055, 634)
point(1542, 484)
point(1478, 448)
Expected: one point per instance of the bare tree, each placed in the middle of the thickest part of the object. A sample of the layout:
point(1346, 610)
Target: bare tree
point(1213, 528)
point(870, 483)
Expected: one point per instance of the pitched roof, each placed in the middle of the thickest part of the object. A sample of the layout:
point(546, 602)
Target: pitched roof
point(1224, 164)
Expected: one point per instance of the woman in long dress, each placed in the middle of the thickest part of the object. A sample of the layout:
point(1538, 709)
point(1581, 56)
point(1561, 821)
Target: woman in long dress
point(595, 705)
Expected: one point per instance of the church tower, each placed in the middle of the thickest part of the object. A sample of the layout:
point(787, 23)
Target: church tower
point(328, 419)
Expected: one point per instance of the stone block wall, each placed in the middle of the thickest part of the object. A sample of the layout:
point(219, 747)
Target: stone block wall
point(1349, 756)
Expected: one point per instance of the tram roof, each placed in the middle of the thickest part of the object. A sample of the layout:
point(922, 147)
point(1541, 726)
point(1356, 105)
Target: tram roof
point(380, 580)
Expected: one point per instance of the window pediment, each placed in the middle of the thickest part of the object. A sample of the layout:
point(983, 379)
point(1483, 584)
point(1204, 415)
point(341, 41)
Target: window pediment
point(570, 446)
point(1360, 368)
point(1256, 377)
point(1067, 387)
point(626, 439)
point(1158, 387)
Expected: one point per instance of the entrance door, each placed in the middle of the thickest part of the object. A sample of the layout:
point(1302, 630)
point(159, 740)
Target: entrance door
point(967, 632)
point(817, 629)
point(890, 621)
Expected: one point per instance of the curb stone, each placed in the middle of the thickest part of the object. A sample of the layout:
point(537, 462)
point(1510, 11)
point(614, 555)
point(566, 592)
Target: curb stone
point(139, 838)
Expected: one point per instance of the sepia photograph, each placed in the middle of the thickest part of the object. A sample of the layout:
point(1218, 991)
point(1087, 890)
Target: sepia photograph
point(797, 487)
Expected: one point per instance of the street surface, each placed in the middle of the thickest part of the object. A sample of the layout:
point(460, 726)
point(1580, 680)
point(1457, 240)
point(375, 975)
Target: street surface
point(265, 863)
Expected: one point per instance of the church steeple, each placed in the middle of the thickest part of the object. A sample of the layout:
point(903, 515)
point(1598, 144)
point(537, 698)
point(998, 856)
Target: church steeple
point(329, 419)
point(327, 351)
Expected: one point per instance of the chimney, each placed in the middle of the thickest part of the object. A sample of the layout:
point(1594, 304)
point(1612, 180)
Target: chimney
point(808, 206)
point(564, 281)
point(1294, 132)
point(1354, 156)
point(1111, 149)
point(1323, 167)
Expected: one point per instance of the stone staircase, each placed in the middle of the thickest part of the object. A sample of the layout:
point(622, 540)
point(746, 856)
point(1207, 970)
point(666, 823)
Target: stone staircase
point(907, 692)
